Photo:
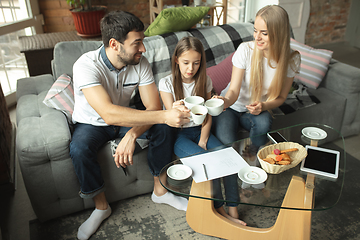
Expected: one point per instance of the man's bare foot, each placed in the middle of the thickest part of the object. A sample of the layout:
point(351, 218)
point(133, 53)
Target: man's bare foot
point(222, 211)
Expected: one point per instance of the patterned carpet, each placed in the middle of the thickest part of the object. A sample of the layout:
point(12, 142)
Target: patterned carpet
point(140, 218)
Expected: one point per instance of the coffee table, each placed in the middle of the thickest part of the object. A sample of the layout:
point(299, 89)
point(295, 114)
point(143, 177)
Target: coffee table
point(295, 193)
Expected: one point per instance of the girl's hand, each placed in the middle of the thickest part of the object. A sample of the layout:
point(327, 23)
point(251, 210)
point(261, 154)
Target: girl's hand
point(220, 97)
point(202, 144)
point(178, 103)
point(255, 108)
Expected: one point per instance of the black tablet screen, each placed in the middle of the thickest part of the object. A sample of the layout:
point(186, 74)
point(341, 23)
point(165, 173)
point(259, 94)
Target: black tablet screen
point(321, 161)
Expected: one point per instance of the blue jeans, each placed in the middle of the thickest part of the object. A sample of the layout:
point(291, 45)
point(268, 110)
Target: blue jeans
point(88, 139)
point(226, 126)
point(186, 144)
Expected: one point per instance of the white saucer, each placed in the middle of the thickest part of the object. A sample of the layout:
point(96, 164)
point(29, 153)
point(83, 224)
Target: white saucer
point(252, 175)
point(179, 172)
point(314, 133)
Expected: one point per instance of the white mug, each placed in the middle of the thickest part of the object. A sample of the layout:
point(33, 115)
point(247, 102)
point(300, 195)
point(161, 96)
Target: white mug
point(215, 106)
point(198, 114)
point(193, 101)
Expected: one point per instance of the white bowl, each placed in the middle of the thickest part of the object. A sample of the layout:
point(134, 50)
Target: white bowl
point(179, 172)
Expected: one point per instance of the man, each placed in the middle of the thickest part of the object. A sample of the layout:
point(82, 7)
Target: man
point(104, 81)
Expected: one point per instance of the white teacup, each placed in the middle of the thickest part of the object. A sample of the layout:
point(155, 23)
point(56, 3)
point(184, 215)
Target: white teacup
point(193, 101)
point(198, 114)
point(215, 106)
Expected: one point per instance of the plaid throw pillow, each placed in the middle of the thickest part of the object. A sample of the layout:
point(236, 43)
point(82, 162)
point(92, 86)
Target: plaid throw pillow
point(314, 64)
point(61, 96)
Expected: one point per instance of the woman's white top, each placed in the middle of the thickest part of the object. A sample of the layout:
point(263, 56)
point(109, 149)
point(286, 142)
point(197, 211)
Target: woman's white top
point(166, 85)
point(242, 59)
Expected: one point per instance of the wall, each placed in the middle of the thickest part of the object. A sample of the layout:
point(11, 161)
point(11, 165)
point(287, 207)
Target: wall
point(327, 22)
point(58, 18)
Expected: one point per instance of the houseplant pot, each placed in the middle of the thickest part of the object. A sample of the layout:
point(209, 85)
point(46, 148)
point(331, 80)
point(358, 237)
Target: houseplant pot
point(86, 17)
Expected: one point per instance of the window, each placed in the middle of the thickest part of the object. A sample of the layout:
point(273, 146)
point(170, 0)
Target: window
point(17, 18)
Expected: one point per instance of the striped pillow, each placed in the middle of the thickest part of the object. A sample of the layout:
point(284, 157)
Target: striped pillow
point(314, 64)
point(61, 96)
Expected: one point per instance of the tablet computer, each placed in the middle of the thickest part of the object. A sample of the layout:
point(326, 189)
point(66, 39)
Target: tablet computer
point(321, 161)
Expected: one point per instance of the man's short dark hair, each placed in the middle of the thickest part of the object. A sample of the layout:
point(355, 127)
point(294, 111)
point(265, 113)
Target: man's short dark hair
point(117, 24)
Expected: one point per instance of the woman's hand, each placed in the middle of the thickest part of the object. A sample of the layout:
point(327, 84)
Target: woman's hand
point(255, 108)
point(224, 99)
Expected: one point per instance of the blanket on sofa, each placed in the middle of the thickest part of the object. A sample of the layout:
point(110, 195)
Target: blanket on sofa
point(300, 98)
point(218, 42)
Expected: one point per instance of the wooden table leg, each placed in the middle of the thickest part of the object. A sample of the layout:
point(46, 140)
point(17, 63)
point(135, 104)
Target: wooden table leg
point(290, 224)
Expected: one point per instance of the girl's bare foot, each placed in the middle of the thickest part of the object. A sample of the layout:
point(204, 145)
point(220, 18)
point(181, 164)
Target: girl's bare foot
point(222, 211)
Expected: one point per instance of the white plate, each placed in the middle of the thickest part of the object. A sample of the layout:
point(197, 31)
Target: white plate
point(314, 133)
point(179, 172)
point(252, 175)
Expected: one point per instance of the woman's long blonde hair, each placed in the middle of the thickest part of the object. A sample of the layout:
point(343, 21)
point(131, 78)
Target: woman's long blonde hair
point(186, 44)
point(278, 28)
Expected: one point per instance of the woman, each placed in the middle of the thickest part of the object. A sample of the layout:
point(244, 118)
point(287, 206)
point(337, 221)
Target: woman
point(262, 75)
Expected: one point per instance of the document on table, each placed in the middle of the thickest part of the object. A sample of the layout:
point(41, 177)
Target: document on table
point(217, 164)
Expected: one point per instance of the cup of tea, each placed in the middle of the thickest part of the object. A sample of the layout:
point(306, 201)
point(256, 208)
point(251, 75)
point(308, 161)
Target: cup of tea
point(198, 114)
point(193, 101)
point(215, 106)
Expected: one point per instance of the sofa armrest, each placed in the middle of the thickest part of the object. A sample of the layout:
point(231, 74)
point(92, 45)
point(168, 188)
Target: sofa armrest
point(42, 145)
point(344, 80)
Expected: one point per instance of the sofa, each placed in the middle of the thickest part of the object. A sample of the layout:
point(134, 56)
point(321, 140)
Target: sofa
point(44, 133)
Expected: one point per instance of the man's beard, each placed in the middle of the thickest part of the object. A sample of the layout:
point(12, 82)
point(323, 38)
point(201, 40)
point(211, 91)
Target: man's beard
point(126, 58)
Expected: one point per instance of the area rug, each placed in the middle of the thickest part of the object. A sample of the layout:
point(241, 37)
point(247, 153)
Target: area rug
point(140, 218)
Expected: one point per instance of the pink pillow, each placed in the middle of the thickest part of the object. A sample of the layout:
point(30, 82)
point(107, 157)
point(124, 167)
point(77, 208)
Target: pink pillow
point(61, 96)
point(220, 74)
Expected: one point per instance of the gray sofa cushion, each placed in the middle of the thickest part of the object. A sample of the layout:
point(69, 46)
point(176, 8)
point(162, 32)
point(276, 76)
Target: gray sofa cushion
point(66, 54)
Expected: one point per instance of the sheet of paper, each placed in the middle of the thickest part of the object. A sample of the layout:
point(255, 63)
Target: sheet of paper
point(218, 164)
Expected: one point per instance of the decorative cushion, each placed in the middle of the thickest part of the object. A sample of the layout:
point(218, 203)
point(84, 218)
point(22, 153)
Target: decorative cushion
point(176, 19)
point(61, 96)
point(314, 64)
point(220, 74)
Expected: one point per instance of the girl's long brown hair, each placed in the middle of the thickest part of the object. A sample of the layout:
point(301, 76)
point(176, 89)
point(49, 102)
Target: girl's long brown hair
point(278, 26)
point(186, 44)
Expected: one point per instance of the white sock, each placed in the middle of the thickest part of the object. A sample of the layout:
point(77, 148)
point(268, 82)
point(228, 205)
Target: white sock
point(177, 202)
point(90, 226)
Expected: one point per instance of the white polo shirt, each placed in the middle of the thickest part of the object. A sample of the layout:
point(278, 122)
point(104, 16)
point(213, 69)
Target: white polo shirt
point(93, 69)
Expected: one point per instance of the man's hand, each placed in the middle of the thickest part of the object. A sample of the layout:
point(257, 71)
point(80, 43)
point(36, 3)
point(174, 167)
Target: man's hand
point(124, 151)
point(178, 116)
point(255, 108)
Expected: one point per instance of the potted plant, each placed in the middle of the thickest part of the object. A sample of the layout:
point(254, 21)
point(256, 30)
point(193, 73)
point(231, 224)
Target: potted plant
point(86, 17)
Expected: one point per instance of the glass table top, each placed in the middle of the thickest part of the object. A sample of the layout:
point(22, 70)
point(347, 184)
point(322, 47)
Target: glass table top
point(272, 191)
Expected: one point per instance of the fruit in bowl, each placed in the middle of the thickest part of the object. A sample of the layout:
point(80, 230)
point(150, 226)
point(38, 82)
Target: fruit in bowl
point(277, 158)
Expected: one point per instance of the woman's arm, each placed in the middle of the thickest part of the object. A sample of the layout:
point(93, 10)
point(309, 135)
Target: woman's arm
point(257, 107)
point(234, 88)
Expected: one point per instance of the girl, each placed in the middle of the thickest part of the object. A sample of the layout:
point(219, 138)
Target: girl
point(262, 75)
point(189, 78)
